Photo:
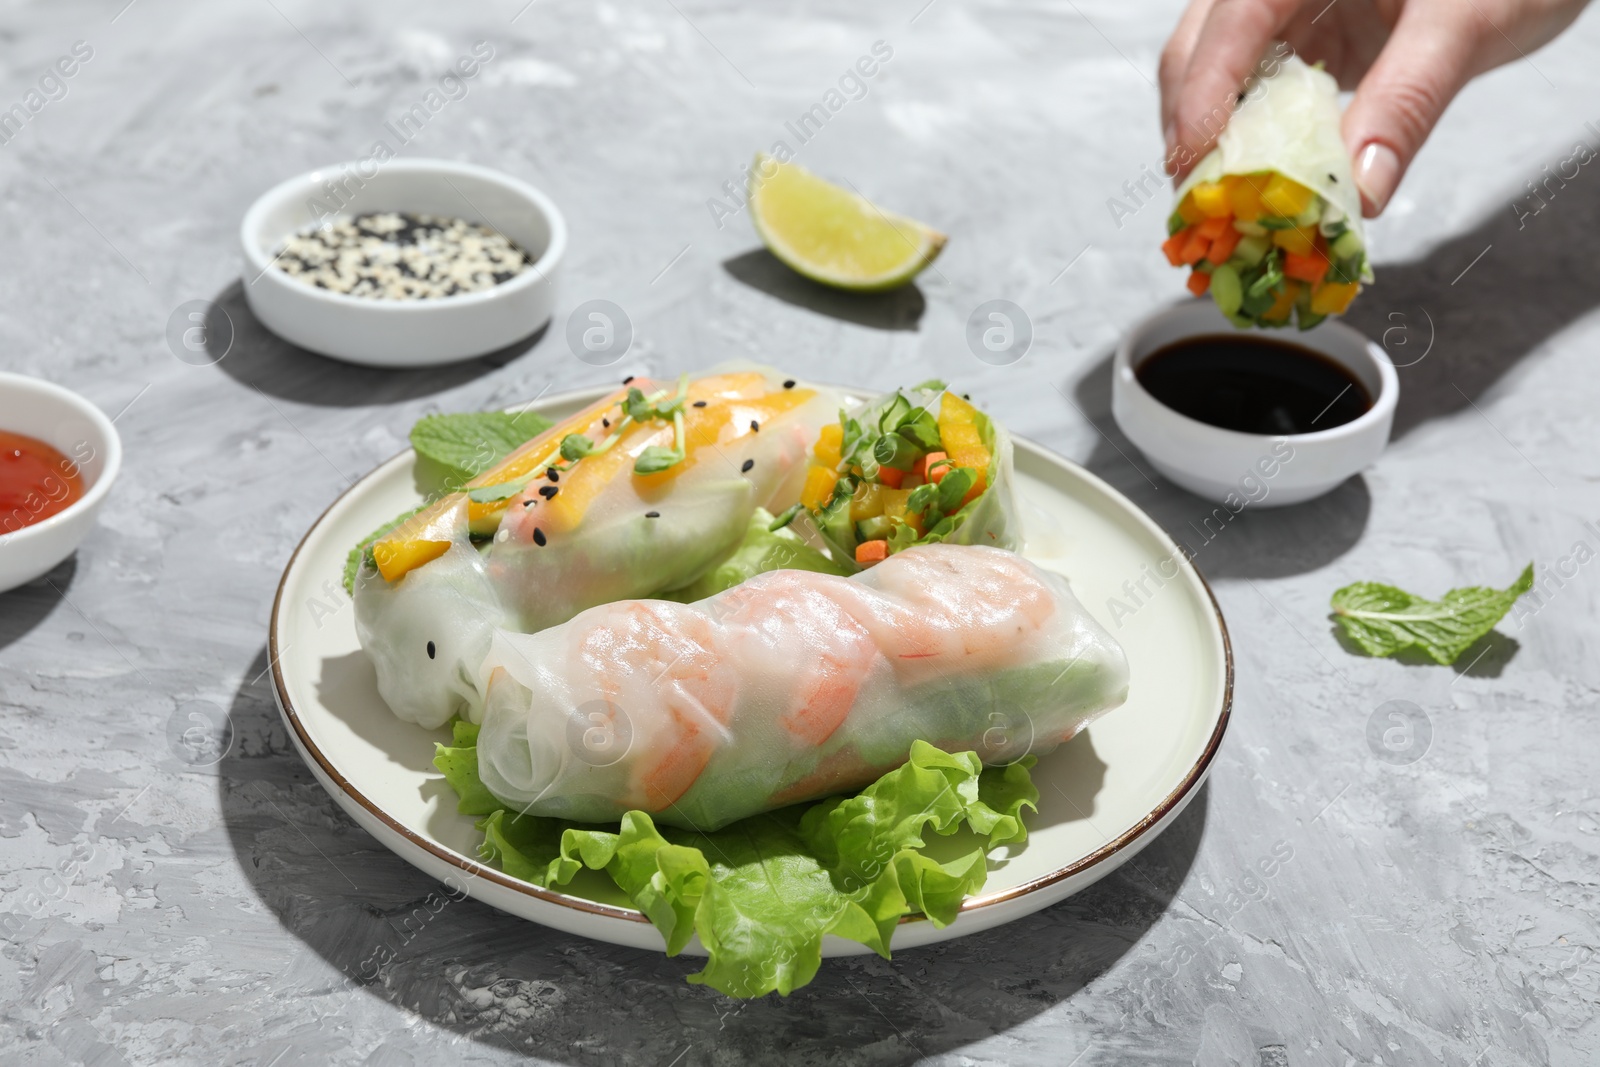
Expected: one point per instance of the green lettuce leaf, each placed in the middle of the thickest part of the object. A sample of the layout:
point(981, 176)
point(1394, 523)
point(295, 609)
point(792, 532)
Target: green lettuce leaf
point(761, 550)
point(762, 893)
point(1383, 620)
point(467, 444)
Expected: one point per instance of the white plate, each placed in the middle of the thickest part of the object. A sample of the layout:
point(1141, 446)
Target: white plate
point(1104, 795)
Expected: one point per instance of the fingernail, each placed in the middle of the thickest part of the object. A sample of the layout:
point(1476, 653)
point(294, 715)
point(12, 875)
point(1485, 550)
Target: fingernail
point(1377, 173)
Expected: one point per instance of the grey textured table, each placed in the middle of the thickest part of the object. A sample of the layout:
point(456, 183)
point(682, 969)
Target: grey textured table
point(1436, 911)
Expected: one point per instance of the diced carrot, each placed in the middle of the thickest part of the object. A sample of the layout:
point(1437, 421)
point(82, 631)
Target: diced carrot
point(872, 551)
point(891, 477)
point(1312, 268)
point(931, 467)
point(1173, 247)
point(1224, 245)
point(1213, 227)
point(1199, 283)
point(1196, 247)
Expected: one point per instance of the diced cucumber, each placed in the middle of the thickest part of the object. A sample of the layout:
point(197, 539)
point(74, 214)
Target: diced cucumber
point(1347, 245)
point(1345, 270)
point(1251, 250)
point(1303, 315)
point(1275, 222)
point(1255, 305)
point(1226, 289)
point(1251, 229)
point(1311, 215)
point(1175, 223)
point(1332, 229)
point(874, 529)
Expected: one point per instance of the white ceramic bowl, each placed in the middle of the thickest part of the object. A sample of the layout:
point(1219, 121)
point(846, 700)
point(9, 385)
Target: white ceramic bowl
point(403, 333)
point(81, 432)
point(1226, 466)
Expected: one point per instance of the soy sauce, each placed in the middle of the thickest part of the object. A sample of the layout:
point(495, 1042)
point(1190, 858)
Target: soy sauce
point(1253, 385)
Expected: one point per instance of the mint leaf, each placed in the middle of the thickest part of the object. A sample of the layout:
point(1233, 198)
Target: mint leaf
point(470, 443)
point(1383, 620)
point(489, 494)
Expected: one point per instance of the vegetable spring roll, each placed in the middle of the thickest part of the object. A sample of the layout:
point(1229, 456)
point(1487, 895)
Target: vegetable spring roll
point(919, 466)
point(791, 686)
point(637, 495)
point(1269, 222)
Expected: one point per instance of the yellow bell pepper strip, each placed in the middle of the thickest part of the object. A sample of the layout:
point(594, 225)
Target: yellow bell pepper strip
point(1331, 298)
point(417, 540)
point(958, 431)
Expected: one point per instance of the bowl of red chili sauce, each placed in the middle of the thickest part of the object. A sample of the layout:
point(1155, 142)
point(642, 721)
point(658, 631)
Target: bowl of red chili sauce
point(58, 457)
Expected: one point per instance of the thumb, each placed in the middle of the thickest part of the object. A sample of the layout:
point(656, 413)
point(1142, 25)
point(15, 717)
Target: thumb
point(1425, 63)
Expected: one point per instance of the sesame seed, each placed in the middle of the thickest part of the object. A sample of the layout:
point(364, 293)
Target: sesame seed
point(538, 537)
point(554, 475)
point(606, 423)
point(789, 384)
point(431, 650)
point(652, 514)
point(699, 403)
point(747, 465)
point(548, 491)
point(628, 379)
point(755, 426)
point(401, 256)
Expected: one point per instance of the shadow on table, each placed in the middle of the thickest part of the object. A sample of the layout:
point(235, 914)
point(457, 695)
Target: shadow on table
point(29, 604)
point(896, 309)
point(1256, 542)
point(260, 359)
point(1457, 320)
point(513, 984)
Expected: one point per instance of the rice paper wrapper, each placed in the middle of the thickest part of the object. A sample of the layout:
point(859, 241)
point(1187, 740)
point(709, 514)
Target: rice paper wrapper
point(1288, 122)
point(791, 686)
point(991, 519)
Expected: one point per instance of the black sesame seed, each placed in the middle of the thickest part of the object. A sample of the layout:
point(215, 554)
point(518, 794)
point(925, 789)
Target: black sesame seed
point(628, 379)
point(789, 384)
point(538, 537)
point(431, 650)
point(529, 503)
point(652, 514)
point(699, 403)
point(548, 491)
point(755, 426)
point(606, 423)
point(1333, 178)
point(555, 476)
point(748, 464)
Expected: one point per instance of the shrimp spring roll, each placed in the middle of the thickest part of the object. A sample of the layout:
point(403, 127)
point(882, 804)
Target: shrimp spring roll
point(1269, 222)
point(919, 466)
point(637, 495)
point(790, 686)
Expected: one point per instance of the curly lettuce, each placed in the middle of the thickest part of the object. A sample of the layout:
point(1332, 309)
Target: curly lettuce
point(762, 893)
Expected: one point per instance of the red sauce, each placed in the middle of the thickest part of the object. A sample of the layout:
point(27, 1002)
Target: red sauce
point(36, 481)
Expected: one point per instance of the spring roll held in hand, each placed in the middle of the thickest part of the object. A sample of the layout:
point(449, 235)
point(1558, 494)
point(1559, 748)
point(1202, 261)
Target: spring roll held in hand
point(790, 686)
point(1270, 220)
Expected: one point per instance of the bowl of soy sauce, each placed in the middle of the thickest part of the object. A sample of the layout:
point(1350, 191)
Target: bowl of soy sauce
point(1252, 418)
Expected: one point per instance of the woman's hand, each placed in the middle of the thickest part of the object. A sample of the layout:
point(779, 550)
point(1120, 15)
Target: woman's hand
point(1406, 59)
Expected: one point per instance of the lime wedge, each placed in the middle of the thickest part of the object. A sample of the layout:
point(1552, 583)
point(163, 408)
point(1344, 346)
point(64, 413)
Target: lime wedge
point(833, 236)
